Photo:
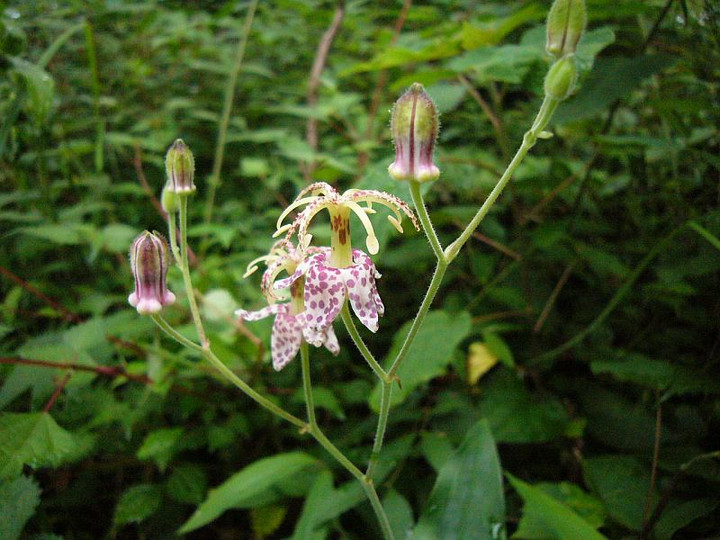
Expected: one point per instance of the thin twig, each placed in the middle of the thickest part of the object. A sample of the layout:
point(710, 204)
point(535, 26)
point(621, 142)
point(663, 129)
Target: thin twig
point(380, 86)
point(553, 296)
point(100, 370)
point(137, 163)
point(534, 213)
point(67, 314)
point(321, 56)
point(665, 499)
point(494, 244)
point(500, 134)
point(56, 394)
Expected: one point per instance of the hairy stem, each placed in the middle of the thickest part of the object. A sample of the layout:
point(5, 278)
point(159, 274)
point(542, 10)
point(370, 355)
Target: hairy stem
point(360, 344)
point(186, 273)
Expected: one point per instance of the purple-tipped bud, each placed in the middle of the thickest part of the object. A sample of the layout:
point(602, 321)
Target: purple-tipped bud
point(414, 127)
point(565, 26)
point(180, 167)
point(149, 263)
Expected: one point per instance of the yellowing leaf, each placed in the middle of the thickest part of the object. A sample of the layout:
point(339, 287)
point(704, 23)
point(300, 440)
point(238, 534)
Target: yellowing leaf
point(480, 360)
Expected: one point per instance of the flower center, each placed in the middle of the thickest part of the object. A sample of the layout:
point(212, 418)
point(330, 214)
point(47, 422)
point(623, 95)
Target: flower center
point(297, 294)
point(340, 245)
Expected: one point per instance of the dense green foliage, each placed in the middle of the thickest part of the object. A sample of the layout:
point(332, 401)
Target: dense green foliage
point(591, 287)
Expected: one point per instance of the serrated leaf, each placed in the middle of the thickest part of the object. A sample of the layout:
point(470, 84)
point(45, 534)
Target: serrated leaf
point(467, 500)
point(546, 517)
point(137, 504)
point(247, 488)
point(18, 500)
point(33, 439)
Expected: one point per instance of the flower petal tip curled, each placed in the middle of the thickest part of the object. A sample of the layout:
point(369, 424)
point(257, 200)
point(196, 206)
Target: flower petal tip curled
point(149, 264)
point(414, 125)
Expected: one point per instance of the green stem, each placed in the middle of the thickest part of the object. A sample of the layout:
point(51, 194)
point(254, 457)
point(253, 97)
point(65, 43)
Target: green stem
point(229, 374)
point(186, 273)
point(541, 120)
point(227, 109)
point(307, 384)
point(172, 227)
point(335, 452)
point(425, 220)
point(420, 317)
point(360, 344)
point(385, 395)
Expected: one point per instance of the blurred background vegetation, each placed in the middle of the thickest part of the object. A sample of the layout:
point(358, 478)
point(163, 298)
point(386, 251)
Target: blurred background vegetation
point(590, 291)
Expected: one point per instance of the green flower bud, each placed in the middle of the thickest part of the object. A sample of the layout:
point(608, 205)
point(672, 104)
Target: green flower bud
point(169, 199)
point(561, 77)
point(414, 127)
point(180, 167)
point(565, 26)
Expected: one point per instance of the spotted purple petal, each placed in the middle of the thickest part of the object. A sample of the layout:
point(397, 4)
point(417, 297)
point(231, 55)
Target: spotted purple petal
point(324, 292)
point(360, 283)
point(272, 309)
point(286, 338)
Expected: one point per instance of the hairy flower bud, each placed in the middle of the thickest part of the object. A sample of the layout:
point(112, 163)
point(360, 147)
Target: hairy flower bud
point(149, 264)
point(561, 77)
point(180, 167)
point(565, 26)
point(414, 128)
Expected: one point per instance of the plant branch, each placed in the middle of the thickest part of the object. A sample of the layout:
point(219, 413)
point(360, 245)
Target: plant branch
point(360, 344)
point(318, 66)
point(214, 181)
point(100, 370)
point(67, 314)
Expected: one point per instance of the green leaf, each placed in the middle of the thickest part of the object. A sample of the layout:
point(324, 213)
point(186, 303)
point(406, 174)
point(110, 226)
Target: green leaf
point(678, 515)
point(611, 79)
point(436, 448)
point(399, 513)
point(467, 500)
point(160, 446)
point(546, 517)
point(18, 500)
point(40, 89)
point(248, 488)
point(622, 482)
point(429, 355)
point(266, 519)
point(33, 439)
point(517, 415)
point(137, 504)
point(187, 484)
point(313, 509)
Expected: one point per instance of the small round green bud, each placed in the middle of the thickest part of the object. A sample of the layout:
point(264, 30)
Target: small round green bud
point(180, 167)
point(561, 77)
point(414, 126)
point(169, 199)
point(565, 26)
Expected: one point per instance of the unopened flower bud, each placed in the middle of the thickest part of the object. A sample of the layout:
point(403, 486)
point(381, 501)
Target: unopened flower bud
point(414, 128)
point(561, 77)
point(149, 264)
point(169, 199)
point(565, 25)
point(180, 167)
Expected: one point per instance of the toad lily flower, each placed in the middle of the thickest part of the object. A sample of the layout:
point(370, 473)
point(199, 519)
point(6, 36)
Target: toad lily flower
point(319, 196)
point(289, 328)
point(326, 288)
point(149, 263)
point(340, 272)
